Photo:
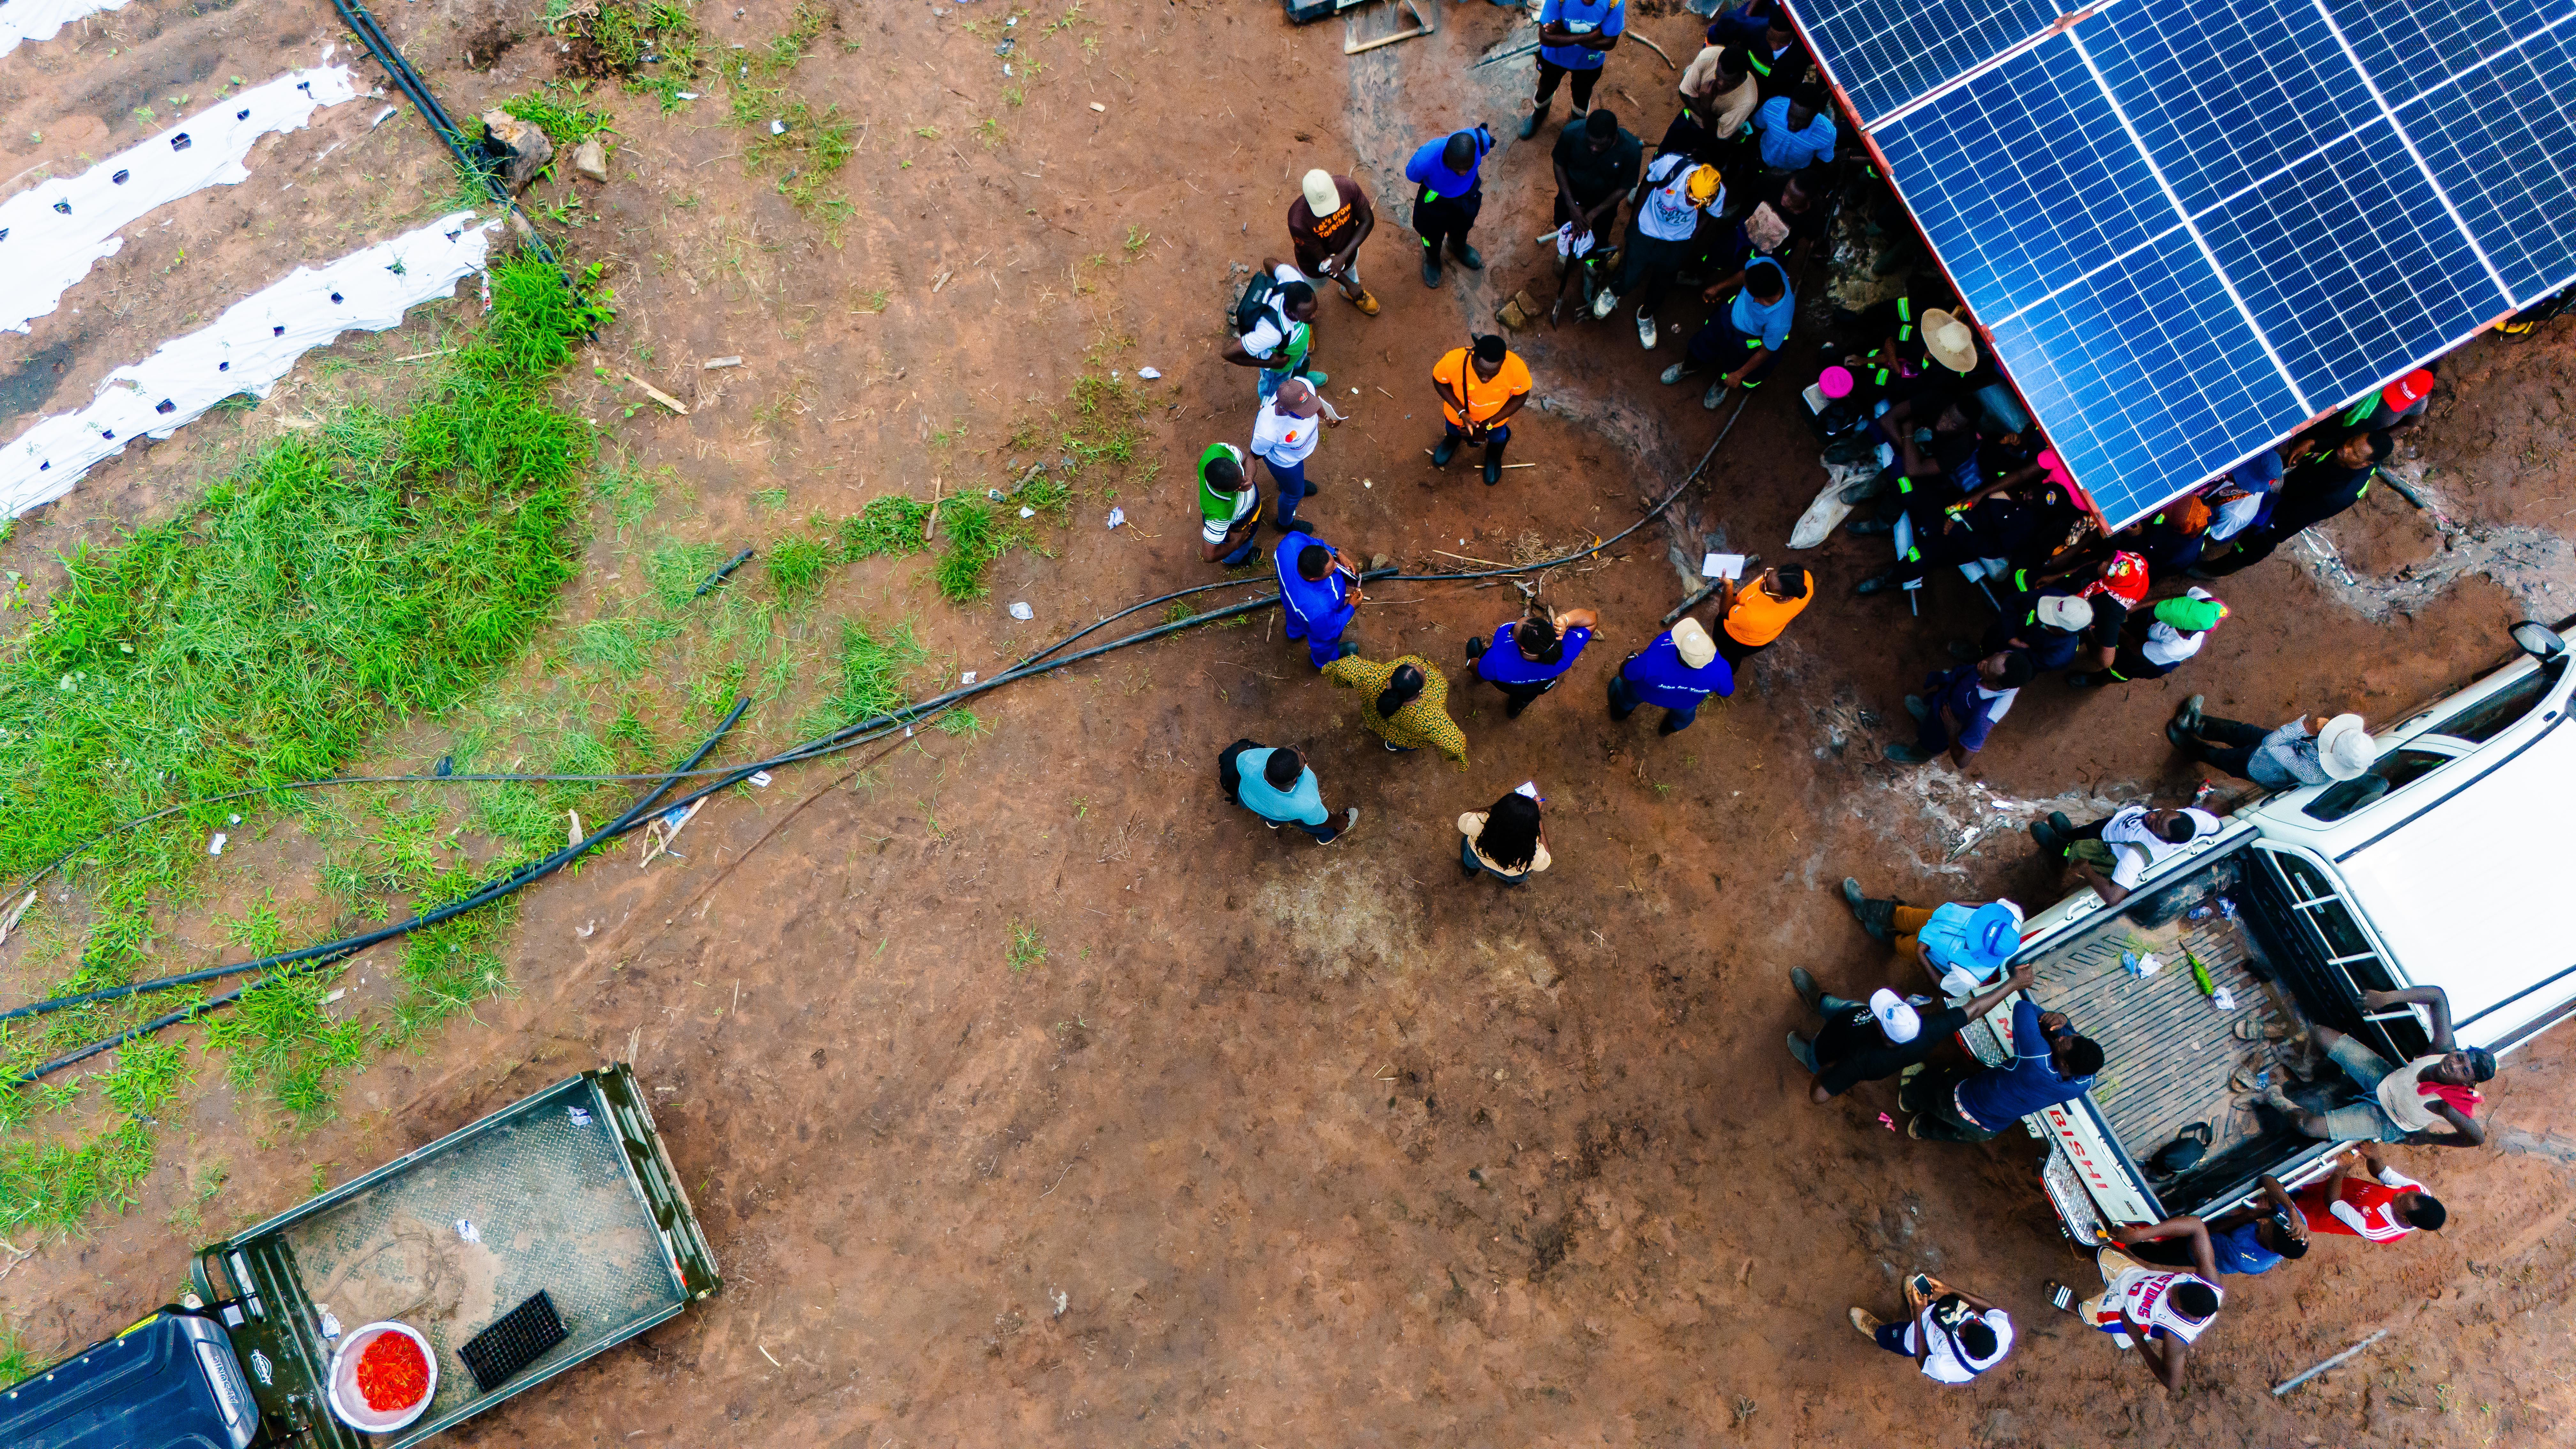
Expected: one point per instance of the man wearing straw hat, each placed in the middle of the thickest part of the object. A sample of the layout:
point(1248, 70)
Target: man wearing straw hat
point(1949, 341)
point(1326, 224)
point(1678, 671)
point(2309, 750)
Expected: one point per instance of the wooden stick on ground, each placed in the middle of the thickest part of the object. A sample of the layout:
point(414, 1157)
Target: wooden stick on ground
point(1657, 49)
point(659, 396)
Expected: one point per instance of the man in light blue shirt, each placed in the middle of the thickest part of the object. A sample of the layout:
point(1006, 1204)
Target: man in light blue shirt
point(1573, 38)
point(1794, 132)
point(1276, 785)
point(1745, 336)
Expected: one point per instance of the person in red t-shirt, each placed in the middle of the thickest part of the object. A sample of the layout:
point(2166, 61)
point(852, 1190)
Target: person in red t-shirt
point(2382, 1211)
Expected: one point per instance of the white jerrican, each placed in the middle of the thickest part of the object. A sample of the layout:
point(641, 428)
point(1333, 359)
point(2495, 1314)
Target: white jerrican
point(248, 349)
point(44, 19)
point(53, 232)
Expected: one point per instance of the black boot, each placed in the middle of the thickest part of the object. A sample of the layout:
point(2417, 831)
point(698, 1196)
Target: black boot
point(1877, 917)
point(1468, 257)
point(1493, 464)
point(1447, 450)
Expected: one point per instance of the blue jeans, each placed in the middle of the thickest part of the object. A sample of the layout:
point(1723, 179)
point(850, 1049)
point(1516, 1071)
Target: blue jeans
point(1323, 833)
point(2365, 1120)
point(1495, 436)
point(1624, 702)
point(1268, 382)
point(1291, 478)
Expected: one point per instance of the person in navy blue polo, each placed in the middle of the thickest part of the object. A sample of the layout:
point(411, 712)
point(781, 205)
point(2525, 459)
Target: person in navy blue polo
point(1529, 658)
point(1677, 671)
point(1319, 591)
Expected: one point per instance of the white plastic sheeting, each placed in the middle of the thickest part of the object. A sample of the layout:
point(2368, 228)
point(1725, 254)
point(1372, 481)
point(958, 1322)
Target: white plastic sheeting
point(44, 19)
point(248, 349)
point(52, 233)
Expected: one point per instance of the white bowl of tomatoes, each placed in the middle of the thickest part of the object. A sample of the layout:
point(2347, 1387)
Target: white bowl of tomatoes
point(383, 1377)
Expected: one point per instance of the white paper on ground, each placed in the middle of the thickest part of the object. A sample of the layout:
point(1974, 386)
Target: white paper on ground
point(248, 349)
point(1722, 566)
point(44, 19)
point(53, 232)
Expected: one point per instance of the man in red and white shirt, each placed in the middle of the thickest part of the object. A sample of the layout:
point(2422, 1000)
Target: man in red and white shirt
point(2382, 1211)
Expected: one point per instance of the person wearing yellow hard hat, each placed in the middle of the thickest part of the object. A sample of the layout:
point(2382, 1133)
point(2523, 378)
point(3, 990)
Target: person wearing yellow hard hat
point(1671, 198)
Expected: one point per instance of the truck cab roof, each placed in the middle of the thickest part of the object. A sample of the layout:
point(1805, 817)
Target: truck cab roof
point(2446, 866)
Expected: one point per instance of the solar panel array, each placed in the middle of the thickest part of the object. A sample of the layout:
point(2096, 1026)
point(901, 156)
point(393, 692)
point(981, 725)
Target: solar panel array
point(2188, 230)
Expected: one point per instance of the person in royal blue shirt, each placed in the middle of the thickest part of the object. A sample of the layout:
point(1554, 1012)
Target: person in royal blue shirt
point(1573, 38)
point(1678, 671)
point(1319, 592)
point(1449, 196)
point(2050, 1064)
point(1531, 657)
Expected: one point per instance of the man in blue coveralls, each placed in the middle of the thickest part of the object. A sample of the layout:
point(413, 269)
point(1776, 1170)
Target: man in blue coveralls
point(1319, 591)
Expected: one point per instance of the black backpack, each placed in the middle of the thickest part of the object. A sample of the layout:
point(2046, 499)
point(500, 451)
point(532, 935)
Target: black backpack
point(1260, 299)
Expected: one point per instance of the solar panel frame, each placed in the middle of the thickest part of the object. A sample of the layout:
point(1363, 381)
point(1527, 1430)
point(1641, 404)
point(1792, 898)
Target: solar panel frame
point(2365, 186)
point(1894, 51)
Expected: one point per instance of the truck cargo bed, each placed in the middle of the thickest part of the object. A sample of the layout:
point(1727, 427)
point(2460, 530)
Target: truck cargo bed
point(2168, 1050)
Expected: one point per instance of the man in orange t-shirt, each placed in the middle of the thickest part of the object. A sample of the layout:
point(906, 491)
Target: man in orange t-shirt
point(1477, 399)
point(1749, 618)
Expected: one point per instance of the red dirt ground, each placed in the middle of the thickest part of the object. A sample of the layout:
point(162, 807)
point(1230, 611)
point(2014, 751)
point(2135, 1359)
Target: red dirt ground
point(1281, 1144)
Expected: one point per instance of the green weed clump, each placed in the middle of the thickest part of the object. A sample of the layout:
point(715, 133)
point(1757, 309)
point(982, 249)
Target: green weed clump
point(796, 565)
point(874, 665)
point(788, 134)
point(974, 540)
point(625, 32)
point(332, 584)
point(564, 124)
point(890, 526)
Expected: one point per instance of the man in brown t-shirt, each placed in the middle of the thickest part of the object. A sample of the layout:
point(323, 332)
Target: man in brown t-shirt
point(1327, 224)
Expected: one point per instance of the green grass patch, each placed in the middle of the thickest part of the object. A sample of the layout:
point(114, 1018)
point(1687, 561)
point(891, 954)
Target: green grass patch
point(805, 146)
point(796, 565)
point(625, 32)
point(874, 665)
point(890, 526)
point(330, 586)
point(1027, 947)
point(566, 123)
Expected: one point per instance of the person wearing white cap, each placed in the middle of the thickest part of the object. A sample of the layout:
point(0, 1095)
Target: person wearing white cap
point(2048, 625)
point(1870, 1041)
point(1678, 671)
point(1326, 224)
point(2310, 750)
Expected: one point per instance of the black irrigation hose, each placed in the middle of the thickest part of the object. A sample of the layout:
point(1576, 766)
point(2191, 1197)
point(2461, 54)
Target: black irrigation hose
point(862, 732)
point(371, 34)
point(312, 957)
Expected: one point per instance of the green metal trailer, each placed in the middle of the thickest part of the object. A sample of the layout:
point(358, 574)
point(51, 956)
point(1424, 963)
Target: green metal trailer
point(568, 1192)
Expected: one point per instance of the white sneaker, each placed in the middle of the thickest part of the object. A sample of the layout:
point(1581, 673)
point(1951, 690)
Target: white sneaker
point(1602, 303)
point(1350, 819)
point(1675, 373)
point(1645, 332)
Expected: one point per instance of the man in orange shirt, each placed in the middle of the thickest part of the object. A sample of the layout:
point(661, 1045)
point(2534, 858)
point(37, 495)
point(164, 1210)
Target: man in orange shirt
point(1750, 617)
point(1477, 400)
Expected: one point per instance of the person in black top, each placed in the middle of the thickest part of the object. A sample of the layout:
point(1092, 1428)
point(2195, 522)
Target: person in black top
point(1596, 164)
point(2312, 492)
point(1852, 1048)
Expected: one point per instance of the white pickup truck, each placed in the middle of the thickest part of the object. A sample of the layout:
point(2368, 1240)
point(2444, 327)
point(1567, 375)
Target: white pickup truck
point(2438, 868)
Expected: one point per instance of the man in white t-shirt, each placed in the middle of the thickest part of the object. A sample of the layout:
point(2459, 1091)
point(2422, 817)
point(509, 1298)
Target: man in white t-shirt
point(2115, 853)
point(2174, 633)
point(1671, 197)
point(1278, 340)
point(1954, 1336)
point(1284, 435)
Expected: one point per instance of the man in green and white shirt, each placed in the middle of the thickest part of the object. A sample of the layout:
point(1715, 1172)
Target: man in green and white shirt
point(1229, 507)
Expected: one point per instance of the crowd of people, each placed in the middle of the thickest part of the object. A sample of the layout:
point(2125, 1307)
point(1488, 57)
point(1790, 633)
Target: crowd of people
point(1931, 449)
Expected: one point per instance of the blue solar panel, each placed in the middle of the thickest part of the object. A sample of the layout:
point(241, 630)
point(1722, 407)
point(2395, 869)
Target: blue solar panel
point(2024, 180)
point(1884, 53)
point(2502, 143)
point(2410, 48)
point(2188, 229)
point(2348, 260)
